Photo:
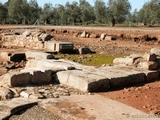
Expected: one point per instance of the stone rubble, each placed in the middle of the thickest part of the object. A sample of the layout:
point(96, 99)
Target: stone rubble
point(41, 70)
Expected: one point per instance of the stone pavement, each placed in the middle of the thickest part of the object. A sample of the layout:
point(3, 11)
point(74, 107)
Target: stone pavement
point(77, 107)
point(93, 107)
point(10, 107)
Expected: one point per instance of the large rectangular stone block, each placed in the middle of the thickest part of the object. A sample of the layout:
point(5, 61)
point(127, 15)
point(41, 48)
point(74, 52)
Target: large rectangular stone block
point(83, 81)
point(54, 65)
point(38, 55)
point(41, 76)
point(15, 79)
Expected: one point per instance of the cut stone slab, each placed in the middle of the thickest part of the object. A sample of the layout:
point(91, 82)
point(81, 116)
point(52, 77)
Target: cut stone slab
point(91, 107)
point(8, 108)
point(55, 65)
point(84, 81)
point(15, 79)
point(120, 75)
point(41, 76)
point(38, 55)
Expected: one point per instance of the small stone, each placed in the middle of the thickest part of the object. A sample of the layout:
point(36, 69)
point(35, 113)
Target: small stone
point(41, 91)
point(24, 94)
point(90, 93)
point(144, 106)
point(36, 96)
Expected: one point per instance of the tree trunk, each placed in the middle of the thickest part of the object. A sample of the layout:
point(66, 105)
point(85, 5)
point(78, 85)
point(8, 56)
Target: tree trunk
point(113, 22)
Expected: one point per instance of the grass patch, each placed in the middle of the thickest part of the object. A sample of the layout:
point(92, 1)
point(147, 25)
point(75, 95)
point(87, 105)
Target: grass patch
point(90, 59)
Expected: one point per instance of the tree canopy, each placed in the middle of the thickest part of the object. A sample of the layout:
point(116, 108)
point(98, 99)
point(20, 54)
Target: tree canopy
point(74, 13)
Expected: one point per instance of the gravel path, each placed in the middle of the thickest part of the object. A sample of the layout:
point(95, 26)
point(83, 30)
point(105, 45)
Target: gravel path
point(35, 113)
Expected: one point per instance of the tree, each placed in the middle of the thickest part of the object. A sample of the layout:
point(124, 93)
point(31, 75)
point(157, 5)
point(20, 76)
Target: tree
point(46, 15)
point(33, 12)
point(17, 10)
point(87, 11)
point(150, 12)
point(62, 14)
point(73, 12)
point(118, 10)
point(100, 11)
point(3, 13)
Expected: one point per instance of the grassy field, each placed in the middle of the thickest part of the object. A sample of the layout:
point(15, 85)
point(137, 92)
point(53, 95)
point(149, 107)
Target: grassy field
point(89, 59)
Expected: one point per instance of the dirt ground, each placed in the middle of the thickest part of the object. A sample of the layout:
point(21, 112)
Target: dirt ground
point(145, 97)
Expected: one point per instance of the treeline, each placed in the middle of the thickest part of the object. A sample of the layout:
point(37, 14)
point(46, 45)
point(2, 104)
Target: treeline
point(112, 12)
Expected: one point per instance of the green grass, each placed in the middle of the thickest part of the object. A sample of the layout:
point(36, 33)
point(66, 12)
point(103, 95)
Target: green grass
point(90, 59)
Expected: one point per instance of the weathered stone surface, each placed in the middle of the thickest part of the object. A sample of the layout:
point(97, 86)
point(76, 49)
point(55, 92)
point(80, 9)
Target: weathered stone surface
point(84, 50)
point(103, 35)
point(149, 57)
point(155, 51)
point(5, 94)
point(45, 37)
point(5, 56)
point(108, 38)
point(148, 65)
point(15, 79)
point(151, 75)
point(10, 56)
point(36, 96)
point(121, 75)
point(54, 65)
point(158, 61)
point(38, 55)
point(93, 36)
point(126, 61)
point(26, 33)
point(90, 107)
point(42, 77)
point(13, 106)
point(83, 81)
point(83, 35)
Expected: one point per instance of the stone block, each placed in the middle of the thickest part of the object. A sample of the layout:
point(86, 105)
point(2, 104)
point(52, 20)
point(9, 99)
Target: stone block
point(54, 65)
point(103, 35)
point(15, 79)
point(149, 57)
point(38, 55)
point(126, 61)
point(152, 75)
point(83, 81)
point(155, 51)
point(108, 38)
point(83, 35)
point(42, 77)
point(148, 65)
point(5, 56)
point(93, 36)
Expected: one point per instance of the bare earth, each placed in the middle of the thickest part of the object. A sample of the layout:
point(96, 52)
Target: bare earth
point(145, 97)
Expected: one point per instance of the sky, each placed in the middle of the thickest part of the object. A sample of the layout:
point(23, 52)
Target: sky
point(134, 3)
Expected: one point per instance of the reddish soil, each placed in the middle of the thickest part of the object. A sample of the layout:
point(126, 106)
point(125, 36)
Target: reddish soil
point(143, 97)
